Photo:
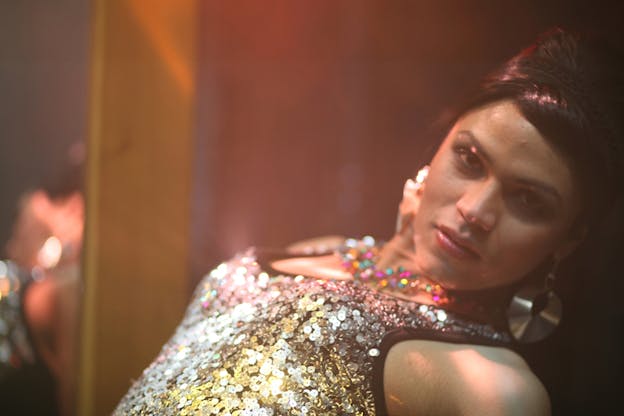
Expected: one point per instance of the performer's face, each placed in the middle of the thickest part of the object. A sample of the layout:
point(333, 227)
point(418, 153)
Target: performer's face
point(498, 201)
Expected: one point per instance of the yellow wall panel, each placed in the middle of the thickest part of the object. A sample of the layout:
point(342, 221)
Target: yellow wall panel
point(138, 190)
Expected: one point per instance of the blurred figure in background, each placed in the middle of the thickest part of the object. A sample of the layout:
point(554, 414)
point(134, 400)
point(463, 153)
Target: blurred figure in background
point(39, 289)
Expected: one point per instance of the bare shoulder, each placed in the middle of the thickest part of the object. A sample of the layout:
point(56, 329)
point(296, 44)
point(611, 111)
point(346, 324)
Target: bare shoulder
point(437, 378)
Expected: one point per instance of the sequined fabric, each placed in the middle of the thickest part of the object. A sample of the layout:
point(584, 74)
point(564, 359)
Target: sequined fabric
point(255, 344)
point(15, 344)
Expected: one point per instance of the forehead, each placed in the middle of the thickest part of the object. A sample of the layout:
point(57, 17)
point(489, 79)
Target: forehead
point(515, 148)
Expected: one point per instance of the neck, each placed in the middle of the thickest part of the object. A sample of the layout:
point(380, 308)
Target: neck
point(362, 260)
point(397, 252)
point(400, 252)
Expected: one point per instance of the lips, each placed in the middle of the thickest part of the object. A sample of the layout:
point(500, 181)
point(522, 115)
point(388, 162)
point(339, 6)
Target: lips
point(450, 242)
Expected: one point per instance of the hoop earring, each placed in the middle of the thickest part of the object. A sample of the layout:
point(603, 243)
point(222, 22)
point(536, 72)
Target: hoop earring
point(535, 310)
point(414, 184)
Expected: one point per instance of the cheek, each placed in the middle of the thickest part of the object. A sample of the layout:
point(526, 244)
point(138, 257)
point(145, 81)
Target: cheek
point(521, 249)
point(438, 203)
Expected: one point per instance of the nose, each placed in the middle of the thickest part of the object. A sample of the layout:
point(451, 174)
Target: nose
point(478, 205)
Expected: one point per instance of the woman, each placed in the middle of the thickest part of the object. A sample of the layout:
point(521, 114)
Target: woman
point(425, 324)
point(39, 292)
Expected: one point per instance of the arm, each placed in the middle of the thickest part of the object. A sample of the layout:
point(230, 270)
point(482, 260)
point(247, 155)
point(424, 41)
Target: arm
point(316, 245)
point(51, 310)
point(435, 378)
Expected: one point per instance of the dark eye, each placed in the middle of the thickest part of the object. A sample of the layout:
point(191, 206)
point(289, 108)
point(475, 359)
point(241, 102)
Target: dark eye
point(529, 204)
point(468, 160)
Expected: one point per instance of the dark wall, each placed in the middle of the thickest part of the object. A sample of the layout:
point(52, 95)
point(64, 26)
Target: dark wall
point(43, 95)
point(312, 114)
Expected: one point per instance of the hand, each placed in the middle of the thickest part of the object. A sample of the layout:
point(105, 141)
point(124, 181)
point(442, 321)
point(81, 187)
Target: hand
point(401, 249)
point(412, 193)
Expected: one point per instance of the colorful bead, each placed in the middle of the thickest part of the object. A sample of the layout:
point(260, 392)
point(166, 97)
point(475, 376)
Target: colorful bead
point(360, 257)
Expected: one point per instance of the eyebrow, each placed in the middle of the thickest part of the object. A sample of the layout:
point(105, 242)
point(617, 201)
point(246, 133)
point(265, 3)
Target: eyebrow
point(531, 183)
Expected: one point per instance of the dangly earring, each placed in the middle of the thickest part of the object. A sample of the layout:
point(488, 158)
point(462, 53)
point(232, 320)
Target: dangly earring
point(412, 185)
point(535, 310)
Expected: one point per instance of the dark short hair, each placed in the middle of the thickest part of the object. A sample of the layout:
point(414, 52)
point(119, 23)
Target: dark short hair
point(571, 89)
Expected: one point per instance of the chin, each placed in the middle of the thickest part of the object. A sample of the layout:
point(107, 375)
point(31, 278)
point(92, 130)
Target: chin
point(436, 269)
point(452, 274)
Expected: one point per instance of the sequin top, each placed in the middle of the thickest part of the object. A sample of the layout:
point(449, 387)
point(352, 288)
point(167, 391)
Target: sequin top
point(16, 346)
point(254, 343)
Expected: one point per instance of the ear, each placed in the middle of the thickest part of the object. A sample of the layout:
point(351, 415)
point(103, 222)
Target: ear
point(567, 247)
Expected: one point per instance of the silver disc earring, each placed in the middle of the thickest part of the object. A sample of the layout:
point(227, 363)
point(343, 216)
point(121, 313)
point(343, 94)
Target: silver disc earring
point(535, 310)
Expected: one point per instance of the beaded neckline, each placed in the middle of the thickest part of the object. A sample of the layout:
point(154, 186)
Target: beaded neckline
point(359, 258)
